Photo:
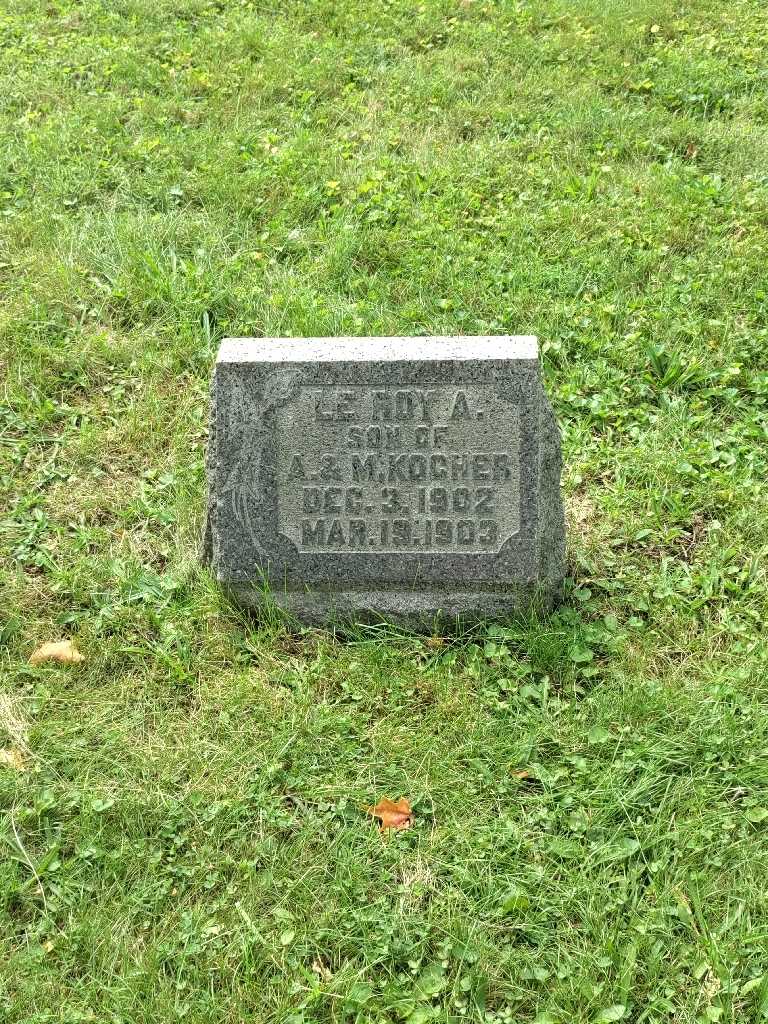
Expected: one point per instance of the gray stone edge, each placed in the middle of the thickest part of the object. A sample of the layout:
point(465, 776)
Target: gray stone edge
point(410, 608)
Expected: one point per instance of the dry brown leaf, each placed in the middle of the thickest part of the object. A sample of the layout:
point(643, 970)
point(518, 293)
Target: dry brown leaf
point(435, 641)
point(392, 814)
point(521, 774)
point(58, 650)
point(11, 758)
point(319, 967)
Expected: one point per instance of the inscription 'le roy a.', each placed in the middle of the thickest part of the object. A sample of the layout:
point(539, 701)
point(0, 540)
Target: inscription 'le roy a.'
point(397, 469)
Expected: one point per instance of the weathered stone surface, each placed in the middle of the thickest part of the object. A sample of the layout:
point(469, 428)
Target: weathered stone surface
point(408, 478)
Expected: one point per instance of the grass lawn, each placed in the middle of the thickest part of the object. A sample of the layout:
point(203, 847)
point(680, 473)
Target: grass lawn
point(182, 823)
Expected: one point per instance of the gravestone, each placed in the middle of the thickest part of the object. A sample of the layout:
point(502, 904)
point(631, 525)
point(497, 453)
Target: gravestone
point(414, 479)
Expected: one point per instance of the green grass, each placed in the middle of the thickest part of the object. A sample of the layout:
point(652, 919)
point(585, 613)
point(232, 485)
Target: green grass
point(188, 840)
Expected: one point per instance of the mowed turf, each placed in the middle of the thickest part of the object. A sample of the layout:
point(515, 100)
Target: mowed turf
point(182, 816)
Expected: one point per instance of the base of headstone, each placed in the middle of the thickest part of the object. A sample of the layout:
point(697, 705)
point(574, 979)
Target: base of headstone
point(418, 611)
point(415, 480)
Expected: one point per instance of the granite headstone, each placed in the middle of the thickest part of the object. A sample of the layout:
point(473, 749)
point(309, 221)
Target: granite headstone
point(414, 479)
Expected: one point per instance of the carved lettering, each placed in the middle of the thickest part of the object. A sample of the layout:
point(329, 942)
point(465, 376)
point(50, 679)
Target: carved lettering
point(460, 410)
point(397, 469)
point(363, 469)
point(312, 534)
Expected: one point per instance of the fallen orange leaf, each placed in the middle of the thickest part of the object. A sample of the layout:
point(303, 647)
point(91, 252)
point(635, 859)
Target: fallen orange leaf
point(393, 815)
point(58, 650)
